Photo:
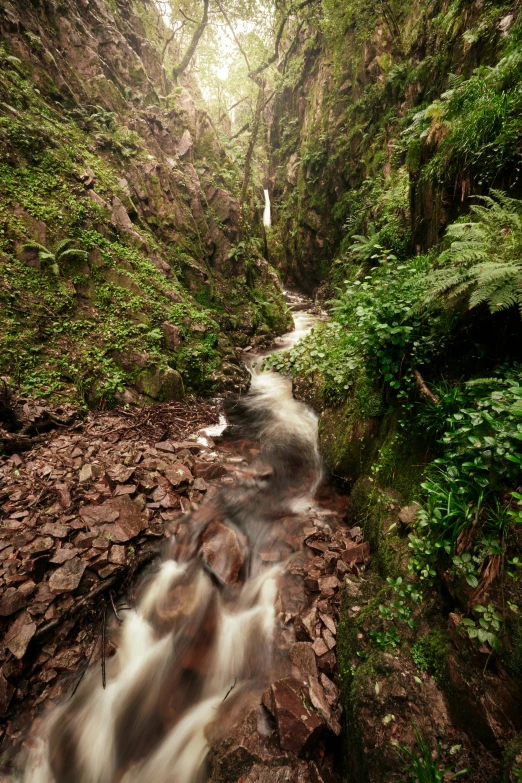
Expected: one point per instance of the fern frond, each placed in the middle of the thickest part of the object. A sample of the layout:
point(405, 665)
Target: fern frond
point(34, 246)
point(62, 245)
point(73, 254)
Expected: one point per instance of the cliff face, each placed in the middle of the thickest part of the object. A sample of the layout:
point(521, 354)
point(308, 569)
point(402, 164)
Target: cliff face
point(348, 92)
point(98, 147)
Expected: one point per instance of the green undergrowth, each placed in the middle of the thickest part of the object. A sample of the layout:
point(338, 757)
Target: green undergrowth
point(69, 310)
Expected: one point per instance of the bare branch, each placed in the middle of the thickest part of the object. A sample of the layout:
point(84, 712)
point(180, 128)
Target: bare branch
point(188, 18)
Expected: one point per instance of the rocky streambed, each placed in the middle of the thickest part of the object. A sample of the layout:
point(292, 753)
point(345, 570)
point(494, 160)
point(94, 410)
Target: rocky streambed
point(150, 528)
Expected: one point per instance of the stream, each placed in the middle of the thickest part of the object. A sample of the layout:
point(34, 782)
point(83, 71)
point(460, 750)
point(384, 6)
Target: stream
point(213, 625)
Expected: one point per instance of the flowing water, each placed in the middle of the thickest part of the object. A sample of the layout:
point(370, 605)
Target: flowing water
point(206, 633)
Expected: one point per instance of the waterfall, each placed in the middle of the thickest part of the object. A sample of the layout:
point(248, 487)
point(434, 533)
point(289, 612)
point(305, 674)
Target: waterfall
point(267, 222)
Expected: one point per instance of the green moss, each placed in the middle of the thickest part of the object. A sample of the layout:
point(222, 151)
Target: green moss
point(512, 760)
point(430, 653)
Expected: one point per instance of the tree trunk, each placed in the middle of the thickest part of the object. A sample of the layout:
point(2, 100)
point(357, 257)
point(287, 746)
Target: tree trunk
point(250, 151)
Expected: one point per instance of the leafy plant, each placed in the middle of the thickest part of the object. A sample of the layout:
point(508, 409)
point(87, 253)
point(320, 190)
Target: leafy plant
point(425, 767)
point(387, 638)
point(62, 252)
point(474, 126)
point(483, 262)
point(488, 627)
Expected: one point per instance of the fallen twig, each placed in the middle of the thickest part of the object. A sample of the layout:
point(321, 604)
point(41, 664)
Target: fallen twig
point(227, 694)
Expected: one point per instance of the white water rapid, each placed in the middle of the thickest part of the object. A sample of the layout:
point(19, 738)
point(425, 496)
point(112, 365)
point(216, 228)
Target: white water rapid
point(203, 639)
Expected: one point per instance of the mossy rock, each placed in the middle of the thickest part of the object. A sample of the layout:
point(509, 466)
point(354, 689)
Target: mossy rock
point(353, 443)
point(162, 385)
point(376, 511)
point(348, 443)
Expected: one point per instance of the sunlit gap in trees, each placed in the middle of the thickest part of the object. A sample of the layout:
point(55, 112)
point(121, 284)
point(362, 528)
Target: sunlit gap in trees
point(235, 28)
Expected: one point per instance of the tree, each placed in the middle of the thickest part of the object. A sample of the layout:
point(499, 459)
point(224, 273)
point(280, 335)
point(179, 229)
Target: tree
point(183, 64)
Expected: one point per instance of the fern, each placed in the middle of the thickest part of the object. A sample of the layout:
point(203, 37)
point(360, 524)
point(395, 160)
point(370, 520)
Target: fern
point(61, 252)
point(484, 259)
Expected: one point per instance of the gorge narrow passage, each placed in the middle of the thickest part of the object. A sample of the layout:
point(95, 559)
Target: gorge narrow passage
point(224, 668)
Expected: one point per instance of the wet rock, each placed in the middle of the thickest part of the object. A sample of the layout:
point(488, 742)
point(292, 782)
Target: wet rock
point(297, 724)
point(222, 551)
point(320, 702)
point(68, 577)
point(20, 634)
point(11, 601)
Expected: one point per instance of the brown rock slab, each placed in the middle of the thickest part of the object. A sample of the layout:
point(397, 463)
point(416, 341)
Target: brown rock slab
point(68, 577)
point(94, 515)
point(330, 688)
point(119, 519)
point(55, 530)
point(178, 474)
point(222, 551)
point(11, 601)
point(40, 544)
point(20, 634)
point(117, 555)
point(297, 724)
point(62, 555)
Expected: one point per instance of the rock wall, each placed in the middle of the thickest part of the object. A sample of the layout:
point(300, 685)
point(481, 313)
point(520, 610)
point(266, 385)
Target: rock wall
point(99, 147)
point(351, 83)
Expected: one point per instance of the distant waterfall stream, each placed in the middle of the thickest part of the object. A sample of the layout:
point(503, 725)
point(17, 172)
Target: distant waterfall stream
point(267, 218)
